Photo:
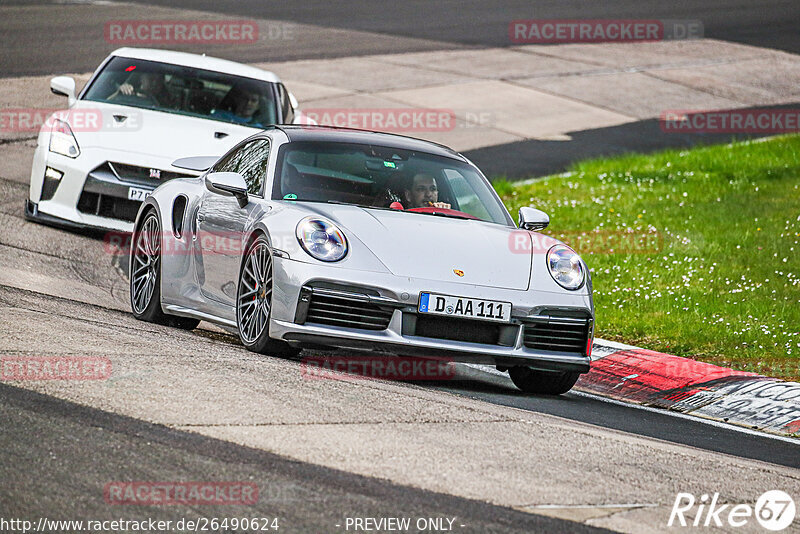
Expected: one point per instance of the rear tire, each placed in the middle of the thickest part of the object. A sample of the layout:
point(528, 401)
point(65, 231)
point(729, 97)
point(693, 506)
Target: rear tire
point(254, 301)
point(542, 382)
point(145, 276)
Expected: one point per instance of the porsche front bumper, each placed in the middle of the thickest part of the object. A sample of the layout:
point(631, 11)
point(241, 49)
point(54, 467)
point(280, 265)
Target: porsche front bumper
point(383, 315)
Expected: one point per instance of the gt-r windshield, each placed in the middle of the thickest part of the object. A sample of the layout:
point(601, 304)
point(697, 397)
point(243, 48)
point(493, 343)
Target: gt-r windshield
point(385, 177)
point(186, 91)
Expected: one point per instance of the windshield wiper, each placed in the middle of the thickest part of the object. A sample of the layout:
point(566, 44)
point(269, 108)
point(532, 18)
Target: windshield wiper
point(341, 203)
point(440, 214)
point(434, 213)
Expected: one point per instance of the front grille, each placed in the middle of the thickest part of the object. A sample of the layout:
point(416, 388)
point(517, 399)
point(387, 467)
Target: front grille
point(137, 175)
point(451, 329)
point(336, 311)
point(569, 334)
point(108, 206)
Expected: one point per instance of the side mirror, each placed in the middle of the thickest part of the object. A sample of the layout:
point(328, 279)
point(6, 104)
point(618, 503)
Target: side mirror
point(293, 101)
point(229, 184)
point(533, 219)
point(63, 86)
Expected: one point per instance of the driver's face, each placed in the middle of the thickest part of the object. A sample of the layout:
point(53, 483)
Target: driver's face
point(151, 83)
point(424, 191)
point(248, 105)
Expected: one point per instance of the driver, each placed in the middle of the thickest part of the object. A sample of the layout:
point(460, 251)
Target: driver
point(151, 87)
point(424, 193)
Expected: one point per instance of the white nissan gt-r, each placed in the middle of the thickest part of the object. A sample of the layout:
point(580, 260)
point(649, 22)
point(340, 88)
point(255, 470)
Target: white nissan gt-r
point(98, 160)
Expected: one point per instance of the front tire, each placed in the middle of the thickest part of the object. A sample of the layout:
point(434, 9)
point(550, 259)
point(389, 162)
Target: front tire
point(542, 382)
point(254, 301)
point(146, 276)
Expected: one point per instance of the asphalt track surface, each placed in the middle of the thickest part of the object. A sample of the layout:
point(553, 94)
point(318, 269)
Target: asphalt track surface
point(589, 409)
point(371, 27)
point(59, 453)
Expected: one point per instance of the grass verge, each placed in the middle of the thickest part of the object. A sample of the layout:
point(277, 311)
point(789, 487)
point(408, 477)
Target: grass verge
point(692, 252)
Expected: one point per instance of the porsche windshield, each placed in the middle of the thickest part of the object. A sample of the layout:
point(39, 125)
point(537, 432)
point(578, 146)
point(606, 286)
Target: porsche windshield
point(385, 177)
point(186, 91)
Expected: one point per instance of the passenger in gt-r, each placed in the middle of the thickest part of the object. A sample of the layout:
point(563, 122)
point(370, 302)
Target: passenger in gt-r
point(245, 103)
point(424, 192)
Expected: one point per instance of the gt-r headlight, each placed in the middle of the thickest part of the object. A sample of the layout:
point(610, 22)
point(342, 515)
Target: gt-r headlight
point(321, 239)
point(565, 267)
point(62, 140)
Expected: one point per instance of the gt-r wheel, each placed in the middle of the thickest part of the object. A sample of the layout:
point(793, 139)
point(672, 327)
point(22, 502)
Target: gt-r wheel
point(146, 276)
point(254, 301)
point(542, 382)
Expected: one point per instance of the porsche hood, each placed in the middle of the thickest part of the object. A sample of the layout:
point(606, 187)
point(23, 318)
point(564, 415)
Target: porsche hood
point(437, 248)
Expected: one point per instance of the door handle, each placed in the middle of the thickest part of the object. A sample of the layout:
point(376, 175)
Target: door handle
point(201, 217)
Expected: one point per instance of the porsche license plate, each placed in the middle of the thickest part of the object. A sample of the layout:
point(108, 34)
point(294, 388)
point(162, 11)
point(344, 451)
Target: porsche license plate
point(466, 308)
point(135, 193)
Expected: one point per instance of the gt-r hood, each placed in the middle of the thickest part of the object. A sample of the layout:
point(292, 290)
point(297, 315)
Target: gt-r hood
point(154, 133)
point(434, 248)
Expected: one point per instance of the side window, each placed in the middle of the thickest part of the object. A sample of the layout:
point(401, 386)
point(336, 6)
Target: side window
point(287, 111)
point(466, 198)
point(229, 163)
point(252, 164)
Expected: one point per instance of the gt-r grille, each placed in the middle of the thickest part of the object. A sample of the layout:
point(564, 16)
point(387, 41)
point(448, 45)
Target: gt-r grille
point(137, 175)
point(565, 335)
point(335, 311)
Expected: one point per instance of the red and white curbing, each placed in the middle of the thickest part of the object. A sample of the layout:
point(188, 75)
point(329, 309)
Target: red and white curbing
point(642, 376)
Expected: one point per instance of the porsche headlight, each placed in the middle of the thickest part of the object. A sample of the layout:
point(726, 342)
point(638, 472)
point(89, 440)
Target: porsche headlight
point(62, 140)
point(565, 267)
point(321, 239)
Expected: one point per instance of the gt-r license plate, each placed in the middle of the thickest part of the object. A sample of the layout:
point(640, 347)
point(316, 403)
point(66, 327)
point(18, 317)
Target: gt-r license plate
point(135, 193)
point(467, 308)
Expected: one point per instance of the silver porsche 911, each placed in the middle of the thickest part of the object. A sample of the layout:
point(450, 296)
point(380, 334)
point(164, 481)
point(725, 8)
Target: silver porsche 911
point(323, 237)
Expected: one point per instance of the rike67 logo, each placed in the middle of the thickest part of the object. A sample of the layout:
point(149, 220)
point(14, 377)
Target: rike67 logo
point(774, 510)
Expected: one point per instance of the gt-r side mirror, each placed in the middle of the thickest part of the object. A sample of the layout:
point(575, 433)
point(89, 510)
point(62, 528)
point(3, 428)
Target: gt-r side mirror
point(63, 86)
point(533, 219)
point(229, 184)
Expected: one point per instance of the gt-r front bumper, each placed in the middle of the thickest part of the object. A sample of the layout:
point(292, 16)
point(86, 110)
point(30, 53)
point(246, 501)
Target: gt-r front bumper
point(93, 192)
point(353, 303)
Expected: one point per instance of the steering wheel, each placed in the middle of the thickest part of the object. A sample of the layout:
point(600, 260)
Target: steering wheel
point(134, 100)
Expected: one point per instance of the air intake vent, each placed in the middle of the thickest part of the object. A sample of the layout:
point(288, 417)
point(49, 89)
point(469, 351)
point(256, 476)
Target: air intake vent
point(107, 206)
point(558, 334)
point(337, 311)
